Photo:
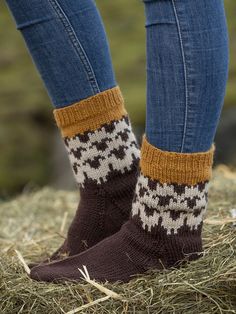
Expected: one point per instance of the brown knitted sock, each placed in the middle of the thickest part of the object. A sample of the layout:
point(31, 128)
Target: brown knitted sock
point(104, 156)
point(165, 226)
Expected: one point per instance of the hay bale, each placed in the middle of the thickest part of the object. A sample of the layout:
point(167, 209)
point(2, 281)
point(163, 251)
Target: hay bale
point(33, 224)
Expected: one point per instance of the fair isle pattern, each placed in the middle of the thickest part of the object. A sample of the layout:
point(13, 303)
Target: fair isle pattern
point(94, 155)
point(170, 206)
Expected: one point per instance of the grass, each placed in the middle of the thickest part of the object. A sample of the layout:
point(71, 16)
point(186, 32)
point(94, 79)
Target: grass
point(34, 224)
point(25, 110)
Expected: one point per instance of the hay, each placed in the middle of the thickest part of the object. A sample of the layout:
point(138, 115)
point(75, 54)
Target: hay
point(204, 286)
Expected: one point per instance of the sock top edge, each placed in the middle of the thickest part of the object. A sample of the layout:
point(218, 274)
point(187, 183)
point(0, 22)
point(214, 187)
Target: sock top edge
point(89, 107)
point(91, 113)
point(172, 167)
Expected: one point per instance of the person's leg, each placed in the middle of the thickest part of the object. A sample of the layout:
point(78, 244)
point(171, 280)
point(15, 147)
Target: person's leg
point(187, 67)
point(187, 70)
point(68, 44)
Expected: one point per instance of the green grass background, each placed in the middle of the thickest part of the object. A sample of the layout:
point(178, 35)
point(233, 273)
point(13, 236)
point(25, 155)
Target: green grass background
point(26, 124)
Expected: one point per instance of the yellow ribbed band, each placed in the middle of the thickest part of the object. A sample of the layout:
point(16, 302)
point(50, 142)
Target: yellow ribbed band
point(91, 113)
point(171, 167)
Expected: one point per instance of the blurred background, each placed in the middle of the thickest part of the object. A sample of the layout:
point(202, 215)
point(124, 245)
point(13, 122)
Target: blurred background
point(31, 150)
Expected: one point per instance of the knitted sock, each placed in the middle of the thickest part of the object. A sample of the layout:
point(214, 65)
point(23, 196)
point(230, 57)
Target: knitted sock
point(104, 156)
point(165, 226)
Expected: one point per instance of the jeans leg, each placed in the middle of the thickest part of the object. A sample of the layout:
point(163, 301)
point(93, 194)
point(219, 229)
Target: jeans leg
point(187, 68)
point(68, 44)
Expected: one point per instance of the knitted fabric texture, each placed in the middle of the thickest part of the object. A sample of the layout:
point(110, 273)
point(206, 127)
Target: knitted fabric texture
point(164, 229)
point(169, 207)
point(104, 156)
point(172, 189)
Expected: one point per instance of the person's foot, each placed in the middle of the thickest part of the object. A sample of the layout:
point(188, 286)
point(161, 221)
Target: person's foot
point(165, 227)
point(101, 212)
point(104, 156)
point(129, 252)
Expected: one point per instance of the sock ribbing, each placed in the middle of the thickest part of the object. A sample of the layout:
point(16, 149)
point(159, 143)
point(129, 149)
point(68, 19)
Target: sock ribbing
point(91, 113)
point(171, 167)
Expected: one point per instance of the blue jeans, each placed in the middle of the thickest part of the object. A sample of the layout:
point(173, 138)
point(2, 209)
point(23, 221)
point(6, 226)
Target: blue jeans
point(187, 69)
point(67, 42)
point(187, 62)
